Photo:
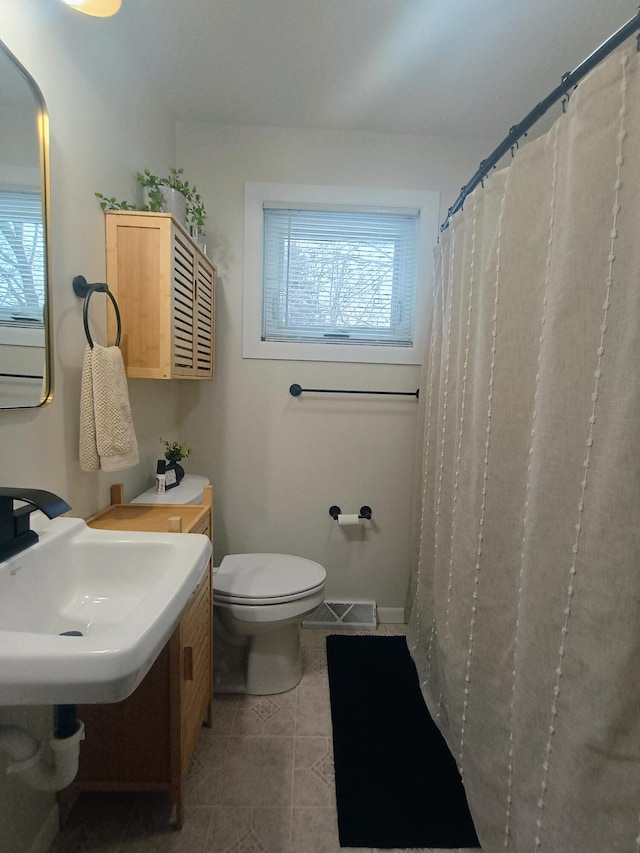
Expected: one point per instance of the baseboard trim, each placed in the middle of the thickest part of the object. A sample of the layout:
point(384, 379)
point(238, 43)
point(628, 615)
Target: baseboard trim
point(48, 831)
point(391, 615)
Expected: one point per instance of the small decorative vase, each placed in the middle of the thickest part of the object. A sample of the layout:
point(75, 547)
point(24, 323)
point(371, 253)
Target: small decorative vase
point(177, 467)
point(173, 202)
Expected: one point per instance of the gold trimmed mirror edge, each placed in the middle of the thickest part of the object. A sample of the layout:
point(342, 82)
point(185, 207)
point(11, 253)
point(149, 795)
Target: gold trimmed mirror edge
point(42, 130)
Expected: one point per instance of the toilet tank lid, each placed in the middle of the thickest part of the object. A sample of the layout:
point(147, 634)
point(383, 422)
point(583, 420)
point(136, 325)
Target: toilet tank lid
point(188, 492)
point(267, 575)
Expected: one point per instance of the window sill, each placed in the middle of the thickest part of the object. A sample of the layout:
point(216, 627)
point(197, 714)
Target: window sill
point(356, 353)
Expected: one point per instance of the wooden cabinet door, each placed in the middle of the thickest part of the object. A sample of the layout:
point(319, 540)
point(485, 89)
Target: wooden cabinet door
point(139, 277)
point(164, 287)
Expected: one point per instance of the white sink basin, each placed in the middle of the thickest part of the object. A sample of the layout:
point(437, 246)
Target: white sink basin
point(124, 592)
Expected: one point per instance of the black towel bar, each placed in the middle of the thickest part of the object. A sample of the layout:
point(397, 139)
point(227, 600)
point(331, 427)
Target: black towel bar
point(296, 390)
point(85, 290)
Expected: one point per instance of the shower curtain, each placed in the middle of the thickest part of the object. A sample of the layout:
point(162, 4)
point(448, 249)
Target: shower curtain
point(525, 593)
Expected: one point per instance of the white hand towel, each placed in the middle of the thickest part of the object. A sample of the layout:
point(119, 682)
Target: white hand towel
point(107, 437)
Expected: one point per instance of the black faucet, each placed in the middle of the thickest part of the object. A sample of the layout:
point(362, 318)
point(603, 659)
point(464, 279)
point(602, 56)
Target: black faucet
point(15, 534)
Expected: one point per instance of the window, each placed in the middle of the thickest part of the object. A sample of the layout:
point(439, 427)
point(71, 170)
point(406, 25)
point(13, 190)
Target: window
point(337, 274)
point(22, 268)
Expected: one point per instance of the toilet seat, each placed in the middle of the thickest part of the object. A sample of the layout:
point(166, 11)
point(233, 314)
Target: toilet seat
point(265, 579)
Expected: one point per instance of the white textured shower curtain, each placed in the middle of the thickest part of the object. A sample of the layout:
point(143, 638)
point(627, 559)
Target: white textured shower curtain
point(525, 615)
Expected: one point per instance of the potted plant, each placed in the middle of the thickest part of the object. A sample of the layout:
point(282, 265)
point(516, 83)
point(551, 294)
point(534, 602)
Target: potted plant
point(174, 452)
point(165, 194)
point(170, 194)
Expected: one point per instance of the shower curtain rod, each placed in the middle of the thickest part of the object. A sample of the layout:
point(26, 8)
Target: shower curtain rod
point(569, 81)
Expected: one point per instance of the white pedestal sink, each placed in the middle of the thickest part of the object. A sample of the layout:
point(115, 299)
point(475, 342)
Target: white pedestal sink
point(120, 593)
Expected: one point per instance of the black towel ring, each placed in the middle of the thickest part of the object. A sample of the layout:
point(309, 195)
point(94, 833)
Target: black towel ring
point(82, 288)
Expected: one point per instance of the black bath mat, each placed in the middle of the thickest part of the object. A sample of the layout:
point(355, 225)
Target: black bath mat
point(397, 784)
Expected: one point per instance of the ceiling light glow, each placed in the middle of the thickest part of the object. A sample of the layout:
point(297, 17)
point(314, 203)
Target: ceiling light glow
point(96, 8)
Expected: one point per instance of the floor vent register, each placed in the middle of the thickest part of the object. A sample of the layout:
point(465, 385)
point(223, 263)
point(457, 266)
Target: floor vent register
point(342, 614)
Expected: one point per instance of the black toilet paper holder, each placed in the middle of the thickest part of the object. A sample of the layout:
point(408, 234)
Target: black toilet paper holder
point(365, 512)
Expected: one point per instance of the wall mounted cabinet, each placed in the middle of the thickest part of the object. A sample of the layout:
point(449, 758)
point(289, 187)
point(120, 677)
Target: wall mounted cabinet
point(164, 286)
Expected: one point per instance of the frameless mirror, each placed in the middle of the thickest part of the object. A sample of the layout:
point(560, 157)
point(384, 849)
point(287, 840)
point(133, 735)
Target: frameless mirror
point(26, 378)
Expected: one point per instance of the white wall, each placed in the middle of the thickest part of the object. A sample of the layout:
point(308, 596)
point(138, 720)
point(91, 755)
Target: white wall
point(279, 463)
point(103, 129)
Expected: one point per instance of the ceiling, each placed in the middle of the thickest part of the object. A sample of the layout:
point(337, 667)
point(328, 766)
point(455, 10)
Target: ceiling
point(457, 68)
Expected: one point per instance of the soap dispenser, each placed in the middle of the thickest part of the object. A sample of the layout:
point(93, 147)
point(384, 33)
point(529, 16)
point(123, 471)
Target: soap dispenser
point(161, 477)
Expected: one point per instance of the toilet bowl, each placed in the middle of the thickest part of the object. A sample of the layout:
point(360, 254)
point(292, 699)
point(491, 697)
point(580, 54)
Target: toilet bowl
point(259, 601)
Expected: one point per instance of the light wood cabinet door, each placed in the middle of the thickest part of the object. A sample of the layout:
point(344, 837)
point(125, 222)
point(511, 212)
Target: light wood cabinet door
point(165, 290)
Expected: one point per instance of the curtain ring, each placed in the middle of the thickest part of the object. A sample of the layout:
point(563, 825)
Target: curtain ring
point(91, 289)
point(514, 146)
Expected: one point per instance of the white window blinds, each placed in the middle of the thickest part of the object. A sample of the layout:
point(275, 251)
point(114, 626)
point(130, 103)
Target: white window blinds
point(21, 259)
point(344, 276)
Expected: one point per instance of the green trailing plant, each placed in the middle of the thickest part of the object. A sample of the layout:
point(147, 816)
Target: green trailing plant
point(113, 203)
point(174, 451)
point(173, 180)
point(196, 213)
point(153, 185)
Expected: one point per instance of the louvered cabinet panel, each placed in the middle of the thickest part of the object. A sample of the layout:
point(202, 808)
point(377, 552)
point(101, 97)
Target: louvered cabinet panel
point(204, 319)
point(165, 287)
point(183, 307)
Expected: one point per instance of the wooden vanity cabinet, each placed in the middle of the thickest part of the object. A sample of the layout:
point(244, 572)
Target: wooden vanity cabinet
point(164, 286)
point(146, 741)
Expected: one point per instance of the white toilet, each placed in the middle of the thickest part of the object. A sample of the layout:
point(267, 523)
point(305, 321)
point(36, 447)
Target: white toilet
point(259, 601)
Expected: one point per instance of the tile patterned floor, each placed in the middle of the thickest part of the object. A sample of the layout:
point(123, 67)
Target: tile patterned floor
point(261, 781)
